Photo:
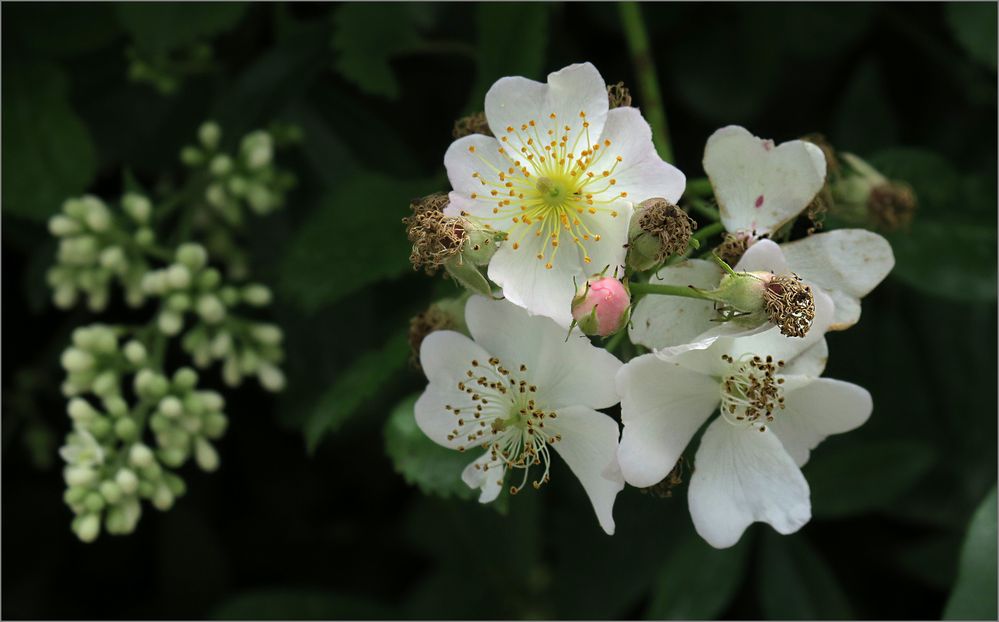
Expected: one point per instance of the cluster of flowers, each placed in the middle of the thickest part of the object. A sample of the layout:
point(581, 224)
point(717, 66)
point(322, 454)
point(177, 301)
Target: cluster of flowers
point(135, 422)
point(564, 201)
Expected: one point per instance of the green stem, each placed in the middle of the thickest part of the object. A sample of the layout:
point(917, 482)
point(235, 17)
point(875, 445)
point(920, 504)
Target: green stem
point(660, 289)
point(648, 83)
point(699, 187)
point(615, 340)
point(707, 231)
point(705, 209)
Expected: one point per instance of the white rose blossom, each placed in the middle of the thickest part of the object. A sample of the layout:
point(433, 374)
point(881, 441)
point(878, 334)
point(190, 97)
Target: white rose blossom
point(844, 265)
point(560, 178)
point(774, 411)
point(517, 390)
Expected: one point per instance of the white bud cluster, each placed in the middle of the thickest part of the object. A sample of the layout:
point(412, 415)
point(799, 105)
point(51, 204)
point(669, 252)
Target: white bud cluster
point(247, 179)
point(132, 425)
point(96, 248)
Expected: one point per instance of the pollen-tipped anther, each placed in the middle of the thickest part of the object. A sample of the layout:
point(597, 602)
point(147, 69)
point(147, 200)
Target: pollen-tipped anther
point(790, 304)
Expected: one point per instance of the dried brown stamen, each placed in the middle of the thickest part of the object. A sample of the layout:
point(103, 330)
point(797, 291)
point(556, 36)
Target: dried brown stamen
point(790, 304)
point(732, 247)
point(424, 323)
point(664, 489)
point(618, 95)
point(472, 124)
point(752, 392)
point(669, 223)
point(892, 205)
point(435, 237)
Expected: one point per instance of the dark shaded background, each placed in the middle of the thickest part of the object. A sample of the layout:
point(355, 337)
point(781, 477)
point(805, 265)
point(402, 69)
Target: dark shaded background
point(281, 533)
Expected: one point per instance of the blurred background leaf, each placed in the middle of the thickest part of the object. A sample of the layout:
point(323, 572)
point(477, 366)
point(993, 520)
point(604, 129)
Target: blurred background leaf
point(974, 596)
point(165, 26)
point(50, 154)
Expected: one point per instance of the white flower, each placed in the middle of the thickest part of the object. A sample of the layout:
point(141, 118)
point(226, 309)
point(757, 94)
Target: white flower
point(759, 186)
point(559, 178)
point(518, 391)
point(774, 411)
point(82, 449)
point(842, 265)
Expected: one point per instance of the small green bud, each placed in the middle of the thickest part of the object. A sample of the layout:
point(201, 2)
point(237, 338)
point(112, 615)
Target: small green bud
point(267, 334)
point(170, 323)
point(159, 423)
point(173, 456)
point(106, 384)
point(115, 405)
point(185, 379)
point(171, 407)
point(144, 236)
point(215, 195)
point(175, 484)
point(61, 225)
point(94, 502)
point(229, 296)
point(76, 360)
point(111, 492)
point(146, 489)
point(178, 302)
point(178, 276)
point(191, 156)
point(100, 427)
point(127, 480)
point(205, 455)
point(215, 425)
point(211, 309)
point(220, 165)
point(135, 352)
point(163, 498)
point(209, 278)
point(137, 207)
point(126, 429)
point(80, 410)
point(221, 344)
point(271, 377)
point(140, 456)
point(192, 255)
point(75, 495)
point(83, 476)
point(257, 149)
point(209, 133)
point(256, 295)
point(98, 216)
point(87, 527)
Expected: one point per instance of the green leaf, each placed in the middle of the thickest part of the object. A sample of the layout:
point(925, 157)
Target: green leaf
point(853, 478)
point(498, 54)
point(50, 153)
point(158, 27)
point(796, 583)
point(357, 384)
point(434, 469)
point(865, 119)
point(293, 603)
point(950, 249)
point(974, 595)
point(698, 581)
point(954, 260)
point(974, 26)
point(366, 39)
point(354, 239)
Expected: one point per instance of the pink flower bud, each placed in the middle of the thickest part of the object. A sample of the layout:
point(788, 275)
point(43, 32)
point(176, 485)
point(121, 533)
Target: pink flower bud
point(602, 306)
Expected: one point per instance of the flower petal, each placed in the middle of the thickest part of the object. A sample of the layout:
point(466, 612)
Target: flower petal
point(528, 283)
point(816, 410)
point(763, 256)
point(641, 173)
point(609, 251)
point(589, 446)
point(662, 321)
point(514, 101)
point(848, 263)
point(662, 406)
point(810, 362)
point(445, 357)
point(470, 161)
point(758, 186)
point(485, 474)
point(741, 476)
point(567, 372)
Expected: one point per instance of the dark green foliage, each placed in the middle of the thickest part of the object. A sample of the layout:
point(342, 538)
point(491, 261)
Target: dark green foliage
point(902, 521)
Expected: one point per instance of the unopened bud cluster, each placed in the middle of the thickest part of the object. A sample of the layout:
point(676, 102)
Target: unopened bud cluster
point(247, 179)
point(114, 391)
point(133, 422)
point(98, 247)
